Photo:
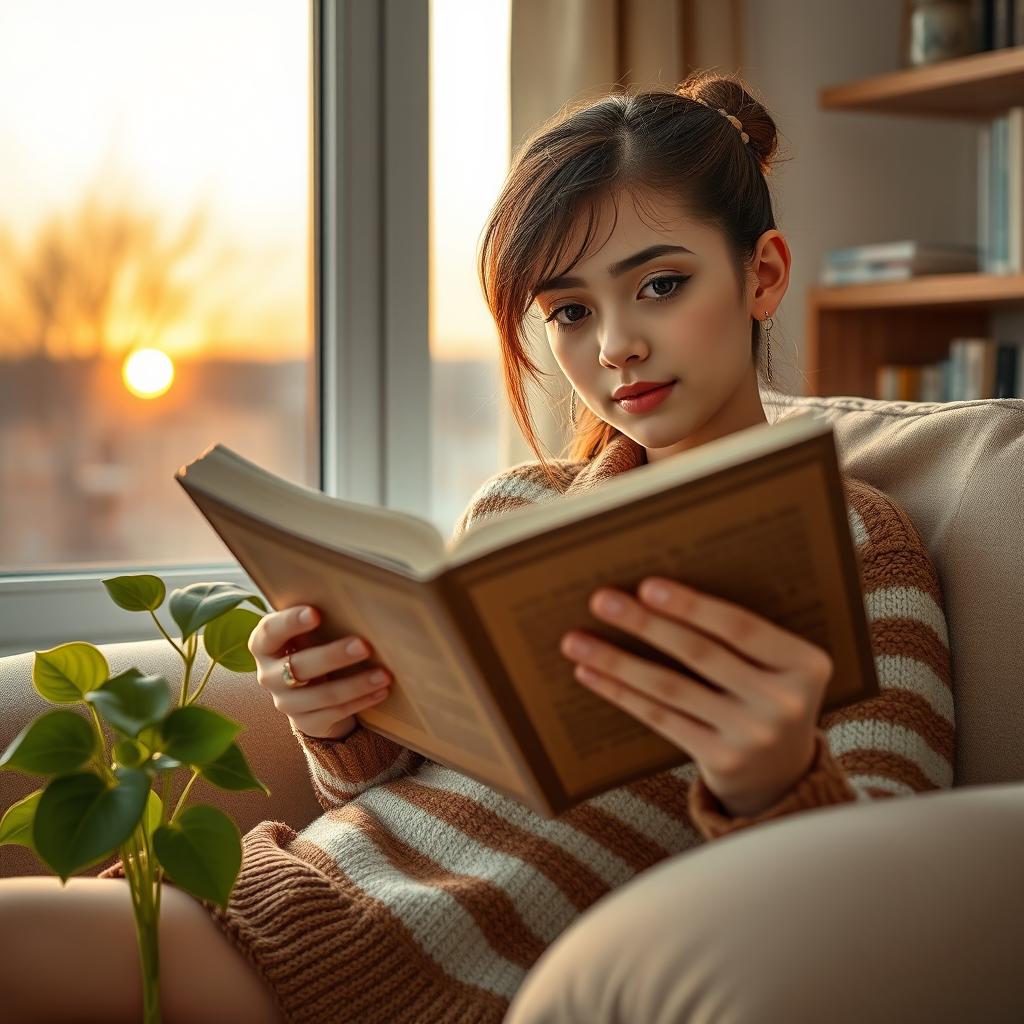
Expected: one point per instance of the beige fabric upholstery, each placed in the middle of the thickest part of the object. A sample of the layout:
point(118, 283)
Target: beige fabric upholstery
point(958, 470)
point(900, 911)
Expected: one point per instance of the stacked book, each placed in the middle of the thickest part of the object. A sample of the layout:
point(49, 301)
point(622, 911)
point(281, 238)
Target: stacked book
point(897, 261)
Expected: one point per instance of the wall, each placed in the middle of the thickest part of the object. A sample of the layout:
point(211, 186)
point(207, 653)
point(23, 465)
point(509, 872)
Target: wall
point(853, 178)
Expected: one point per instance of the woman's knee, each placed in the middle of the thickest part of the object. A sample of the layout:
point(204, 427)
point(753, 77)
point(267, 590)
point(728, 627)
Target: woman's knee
point(207, 978)
point(70, 952)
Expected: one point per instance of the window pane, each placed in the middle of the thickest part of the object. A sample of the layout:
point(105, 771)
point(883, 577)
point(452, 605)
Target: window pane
point(155, 268)
point(469, 154)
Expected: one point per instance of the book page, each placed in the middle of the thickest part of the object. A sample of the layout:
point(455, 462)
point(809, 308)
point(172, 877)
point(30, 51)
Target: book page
point(772, 537)
point(396, 539)
point(433, 705)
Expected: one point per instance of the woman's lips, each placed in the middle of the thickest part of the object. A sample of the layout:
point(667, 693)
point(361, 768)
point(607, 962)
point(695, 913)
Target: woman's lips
point(648, 400)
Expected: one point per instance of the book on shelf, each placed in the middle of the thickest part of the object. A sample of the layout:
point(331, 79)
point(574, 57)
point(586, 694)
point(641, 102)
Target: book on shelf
point(908, 250)
point(896, 261)
point(1001, 192)
point(471, 628)
point(1000, 23)
point(975, 368)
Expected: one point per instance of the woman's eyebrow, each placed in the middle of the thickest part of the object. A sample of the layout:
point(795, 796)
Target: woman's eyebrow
point(615, 270)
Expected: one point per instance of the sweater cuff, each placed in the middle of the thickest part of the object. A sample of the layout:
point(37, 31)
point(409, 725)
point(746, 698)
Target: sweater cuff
point(824, 783)
point(343, 768)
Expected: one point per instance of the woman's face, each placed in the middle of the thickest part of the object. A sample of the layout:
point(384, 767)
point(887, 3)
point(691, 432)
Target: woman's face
point(675, 316)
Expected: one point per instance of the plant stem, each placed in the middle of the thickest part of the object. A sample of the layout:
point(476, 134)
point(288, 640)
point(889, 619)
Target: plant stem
point(190, 657)
point(129, 862)
point(195, 696)
point(165, 792)
point(184, 792)
point(148, 935)
point(107, 773)
point(145, 891)
point(165, 633)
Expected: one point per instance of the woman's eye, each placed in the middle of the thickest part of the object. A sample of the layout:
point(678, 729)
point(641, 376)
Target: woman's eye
point(561, 325)
point(676, 280)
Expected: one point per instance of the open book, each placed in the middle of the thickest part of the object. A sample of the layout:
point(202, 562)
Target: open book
point(471, 630)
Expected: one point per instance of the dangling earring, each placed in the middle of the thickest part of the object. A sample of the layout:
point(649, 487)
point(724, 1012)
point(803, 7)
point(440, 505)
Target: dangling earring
point(768, 323)
point(572, 405)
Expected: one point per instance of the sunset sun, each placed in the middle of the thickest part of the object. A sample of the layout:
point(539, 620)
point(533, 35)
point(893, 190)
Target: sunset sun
point(148, 372)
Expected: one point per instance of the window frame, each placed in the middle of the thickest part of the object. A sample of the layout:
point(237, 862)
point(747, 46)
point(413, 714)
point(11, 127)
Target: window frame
point(369, 428)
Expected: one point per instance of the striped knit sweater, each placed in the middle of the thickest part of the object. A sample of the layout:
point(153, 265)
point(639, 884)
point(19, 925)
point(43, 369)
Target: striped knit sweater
point(422, 895)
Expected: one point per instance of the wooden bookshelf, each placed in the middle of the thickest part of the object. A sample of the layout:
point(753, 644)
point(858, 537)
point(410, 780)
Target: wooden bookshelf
point(978, 86)
point(852, 330)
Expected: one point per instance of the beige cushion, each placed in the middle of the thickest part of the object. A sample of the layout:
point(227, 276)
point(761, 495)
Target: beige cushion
point(957, 468)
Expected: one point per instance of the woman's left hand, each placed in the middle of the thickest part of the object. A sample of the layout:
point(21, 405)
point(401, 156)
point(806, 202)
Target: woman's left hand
point(753, 740)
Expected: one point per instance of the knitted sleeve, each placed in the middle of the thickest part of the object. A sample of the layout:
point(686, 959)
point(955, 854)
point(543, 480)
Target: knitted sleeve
point(341, 769)
point(902, 741)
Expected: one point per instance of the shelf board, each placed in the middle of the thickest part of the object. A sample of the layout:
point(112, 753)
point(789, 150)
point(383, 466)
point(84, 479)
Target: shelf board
point(928, 290)
point(980, 85)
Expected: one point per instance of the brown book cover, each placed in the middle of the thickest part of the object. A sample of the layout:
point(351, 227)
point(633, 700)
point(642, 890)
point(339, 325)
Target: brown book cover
point(471, 629)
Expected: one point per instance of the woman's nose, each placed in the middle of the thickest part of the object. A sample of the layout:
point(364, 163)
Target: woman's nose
point(617, 349)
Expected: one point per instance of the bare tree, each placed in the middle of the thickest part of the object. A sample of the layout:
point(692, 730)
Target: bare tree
point(86, 288)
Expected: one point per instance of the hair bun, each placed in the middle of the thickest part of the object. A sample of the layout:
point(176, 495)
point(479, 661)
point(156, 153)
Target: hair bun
point(731, 94)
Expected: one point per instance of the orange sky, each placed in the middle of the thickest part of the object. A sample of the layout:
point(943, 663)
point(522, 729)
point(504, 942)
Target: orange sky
point(178, 104)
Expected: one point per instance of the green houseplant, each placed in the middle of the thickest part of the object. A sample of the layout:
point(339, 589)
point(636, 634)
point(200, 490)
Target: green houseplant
point(97, 803)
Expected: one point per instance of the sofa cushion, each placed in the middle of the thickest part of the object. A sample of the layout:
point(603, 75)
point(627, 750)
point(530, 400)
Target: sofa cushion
point(957, 468)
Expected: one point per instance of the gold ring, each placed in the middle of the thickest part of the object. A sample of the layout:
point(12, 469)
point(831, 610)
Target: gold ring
point(288, 675)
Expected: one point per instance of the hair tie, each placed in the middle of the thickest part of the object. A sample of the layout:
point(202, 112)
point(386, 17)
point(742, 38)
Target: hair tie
point(736, 122)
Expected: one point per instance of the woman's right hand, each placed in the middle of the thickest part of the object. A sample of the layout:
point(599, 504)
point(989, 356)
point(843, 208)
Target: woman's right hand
point(321, 709)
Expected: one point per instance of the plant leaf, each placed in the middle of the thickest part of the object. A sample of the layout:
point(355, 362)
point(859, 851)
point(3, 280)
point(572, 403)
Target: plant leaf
point(192, 607)
point(55, 743)
point(141, 593)
point(196, 734)
point(231, 771)
point(201, 851)
point(64, 674)
point(16, 824)
point(130, 753)
point(154, 811)
point(150, 737)
point(226, 639)
point(131, 701)
point(81, 820)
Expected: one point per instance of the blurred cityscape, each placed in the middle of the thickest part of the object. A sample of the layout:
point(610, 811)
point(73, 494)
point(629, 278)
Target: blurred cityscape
point(87, 470)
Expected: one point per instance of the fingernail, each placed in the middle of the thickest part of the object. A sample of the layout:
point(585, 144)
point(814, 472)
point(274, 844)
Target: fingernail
point(306, 616)
point(576, 646)
point(656, 593)
point(355, 647)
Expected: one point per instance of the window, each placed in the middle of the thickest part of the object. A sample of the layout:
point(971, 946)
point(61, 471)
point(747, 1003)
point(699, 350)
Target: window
point(469, 154)
point(242, 189)
point(155, 269)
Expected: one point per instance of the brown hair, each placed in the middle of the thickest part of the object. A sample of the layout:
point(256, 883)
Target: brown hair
point(651, 140)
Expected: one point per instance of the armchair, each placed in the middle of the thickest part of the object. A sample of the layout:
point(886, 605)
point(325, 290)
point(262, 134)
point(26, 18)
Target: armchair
point(903, 909)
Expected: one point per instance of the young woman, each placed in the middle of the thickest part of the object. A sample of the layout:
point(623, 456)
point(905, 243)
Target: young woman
point(639, 227)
